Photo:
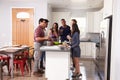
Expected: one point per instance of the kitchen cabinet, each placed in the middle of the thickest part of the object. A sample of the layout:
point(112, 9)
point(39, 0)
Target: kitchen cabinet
point(108, 6)
point(93, 21)
point(98, 17)
point(88, 49)
point(90, 22)
point(82, 46)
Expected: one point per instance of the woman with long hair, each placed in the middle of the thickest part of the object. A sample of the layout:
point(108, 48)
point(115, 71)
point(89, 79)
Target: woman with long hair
point(53, 33)
point(73, 21)
point(75, 49)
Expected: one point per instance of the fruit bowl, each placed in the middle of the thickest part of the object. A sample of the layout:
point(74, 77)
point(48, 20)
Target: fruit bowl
point(56, 43)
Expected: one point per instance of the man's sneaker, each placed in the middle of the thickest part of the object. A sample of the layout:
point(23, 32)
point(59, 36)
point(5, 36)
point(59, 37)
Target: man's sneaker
point(41, 71)
point(37, 74)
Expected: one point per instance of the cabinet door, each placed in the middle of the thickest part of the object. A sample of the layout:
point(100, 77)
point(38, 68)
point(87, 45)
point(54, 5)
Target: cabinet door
point(83, 51)
point(88, 49)
point(93, 54)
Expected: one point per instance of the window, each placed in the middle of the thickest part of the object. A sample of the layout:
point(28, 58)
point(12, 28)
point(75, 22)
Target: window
point(23, 15)
point(81, 21)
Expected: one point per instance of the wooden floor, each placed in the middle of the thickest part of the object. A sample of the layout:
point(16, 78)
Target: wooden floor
point(87, 69)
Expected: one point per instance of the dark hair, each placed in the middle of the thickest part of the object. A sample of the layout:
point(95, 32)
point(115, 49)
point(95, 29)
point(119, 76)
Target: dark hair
point(75, 29)
point(62, 19)
point(46, 20)
point(42, 19)
point(56, 27)
point(74, 20)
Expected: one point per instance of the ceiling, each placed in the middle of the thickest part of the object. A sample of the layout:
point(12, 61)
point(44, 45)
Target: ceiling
point(76, 4)
point(72, 4)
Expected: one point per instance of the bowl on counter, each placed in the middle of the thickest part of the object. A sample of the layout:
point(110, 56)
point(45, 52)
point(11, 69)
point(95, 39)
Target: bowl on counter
point(56, 43)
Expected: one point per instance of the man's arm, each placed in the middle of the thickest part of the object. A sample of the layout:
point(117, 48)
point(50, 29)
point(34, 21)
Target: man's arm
point(37, 35)
point(42, 38)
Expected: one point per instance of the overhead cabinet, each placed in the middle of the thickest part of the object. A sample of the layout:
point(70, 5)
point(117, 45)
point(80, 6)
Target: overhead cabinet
point(108, 6)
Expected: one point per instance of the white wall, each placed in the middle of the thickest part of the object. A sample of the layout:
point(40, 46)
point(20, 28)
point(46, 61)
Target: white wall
point(115, 51)
point(67, 15)
point(49, 15)
point(58, 13)
point(57, 16)
point(94, 17)
point(76, 12)
point(40, 7)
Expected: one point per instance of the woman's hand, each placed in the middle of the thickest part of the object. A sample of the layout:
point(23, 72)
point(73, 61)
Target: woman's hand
point(54, 30)
point(69, 38)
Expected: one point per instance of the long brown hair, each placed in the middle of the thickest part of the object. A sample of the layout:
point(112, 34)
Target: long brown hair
point(75, 29)
point(75, 21)
point(55, 28)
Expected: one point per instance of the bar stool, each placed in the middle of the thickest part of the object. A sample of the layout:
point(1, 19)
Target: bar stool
point(21, 60)
point(4, 60)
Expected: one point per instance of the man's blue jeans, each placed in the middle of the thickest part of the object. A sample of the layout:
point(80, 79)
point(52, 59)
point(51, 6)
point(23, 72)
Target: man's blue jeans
point(42, 59)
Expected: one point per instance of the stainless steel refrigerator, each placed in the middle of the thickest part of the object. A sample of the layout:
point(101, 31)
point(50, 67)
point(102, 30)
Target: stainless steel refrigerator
point(103, 50)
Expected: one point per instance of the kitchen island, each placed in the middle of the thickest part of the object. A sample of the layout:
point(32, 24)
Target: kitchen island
point(57, 62)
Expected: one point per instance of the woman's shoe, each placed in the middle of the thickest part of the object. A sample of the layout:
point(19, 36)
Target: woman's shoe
point(37, 74)
point(41, 71)
point(74, 76)
point(77, 75)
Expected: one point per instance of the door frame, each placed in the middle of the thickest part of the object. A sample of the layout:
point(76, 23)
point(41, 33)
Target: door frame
point(11, 18)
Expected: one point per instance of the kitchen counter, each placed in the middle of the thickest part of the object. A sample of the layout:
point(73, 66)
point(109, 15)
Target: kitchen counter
point(85, 41)
point(88, 41)
point(57, 62)
point(54, 48)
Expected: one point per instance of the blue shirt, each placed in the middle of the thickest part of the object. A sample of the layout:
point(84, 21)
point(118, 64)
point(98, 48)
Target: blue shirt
point(64, 32)
point(75, 40)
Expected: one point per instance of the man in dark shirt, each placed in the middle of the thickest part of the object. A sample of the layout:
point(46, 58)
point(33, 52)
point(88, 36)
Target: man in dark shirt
point(64, 30)
point(39, 38)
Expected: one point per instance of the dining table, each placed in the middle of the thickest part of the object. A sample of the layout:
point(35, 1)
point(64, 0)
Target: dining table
point(11, 51)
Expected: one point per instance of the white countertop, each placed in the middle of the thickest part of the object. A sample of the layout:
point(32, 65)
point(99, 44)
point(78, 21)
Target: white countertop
point(54, 48)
